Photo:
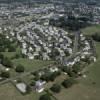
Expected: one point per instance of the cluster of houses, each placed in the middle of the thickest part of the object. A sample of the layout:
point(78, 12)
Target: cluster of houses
point(39, 85)
point(42, 40)
point(87, 51)
point(46, 42)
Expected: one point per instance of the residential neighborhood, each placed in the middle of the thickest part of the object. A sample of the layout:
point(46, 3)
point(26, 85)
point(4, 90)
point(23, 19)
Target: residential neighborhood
point(47, 48)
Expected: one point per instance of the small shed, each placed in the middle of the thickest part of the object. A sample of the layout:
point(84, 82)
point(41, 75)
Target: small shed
point(22, 87)
point(39, 85)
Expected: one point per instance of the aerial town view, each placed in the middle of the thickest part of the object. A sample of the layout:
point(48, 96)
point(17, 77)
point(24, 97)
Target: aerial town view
point(49, 49)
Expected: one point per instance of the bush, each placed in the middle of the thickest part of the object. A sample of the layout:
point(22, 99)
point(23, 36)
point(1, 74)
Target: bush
point(16, 56)
point(46, 77)
point(72, 74)
point(28, 89)
point(56, 88)
point(76, 68)
point(11, 49)
point(7, 62)
point(96, 37)
point(69, 71)
point(45, 97)
point(86, 59)
point(65, 69)
point(19, 68)
point(36, 78)
point(50, 76)
point(54, 75)
point(1, 56)
point(32, 83)
point(68, 83)
point(67, 53)
point(5, 74)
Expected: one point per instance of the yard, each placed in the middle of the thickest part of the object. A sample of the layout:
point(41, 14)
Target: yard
point(32, 65)
point(9, 92)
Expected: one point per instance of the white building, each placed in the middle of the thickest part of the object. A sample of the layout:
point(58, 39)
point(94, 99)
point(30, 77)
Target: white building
point(22, 87)
point(40, 86)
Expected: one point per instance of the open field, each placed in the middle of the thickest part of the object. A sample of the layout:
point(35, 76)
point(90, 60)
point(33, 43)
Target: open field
point(32, 64)
point(91, 30)
point(9, 92)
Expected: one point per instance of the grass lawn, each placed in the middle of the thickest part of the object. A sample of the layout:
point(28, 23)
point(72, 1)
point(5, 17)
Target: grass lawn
point(32, 64)
point(12, 54)
point(9, 92)
point(8, 54)
point(91, 30)
point(79, 92)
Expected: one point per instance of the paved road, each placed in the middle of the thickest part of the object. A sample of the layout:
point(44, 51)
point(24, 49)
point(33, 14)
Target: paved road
point(75, 49)
point(76, 42)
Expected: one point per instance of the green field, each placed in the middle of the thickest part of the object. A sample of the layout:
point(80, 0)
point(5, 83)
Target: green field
point(31, 64)
point(9, 92)
point(91, 30)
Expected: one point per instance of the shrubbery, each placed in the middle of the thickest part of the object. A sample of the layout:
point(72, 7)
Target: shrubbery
point(96, 37)
point(45, 97)
point(5, 74)
point(6, 62)
point(50, 76)
point(56, 88)
point(68, 82)
point(20, 68)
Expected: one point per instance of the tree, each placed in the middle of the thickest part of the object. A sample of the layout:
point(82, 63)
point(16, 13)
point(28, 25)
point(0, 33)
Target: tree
point(56, 88)
point(33, 83)
point(72, 74)
point(5, 74)
point(28, 89)
point(68, 82)
point(67, 53)
point(49, 76)
point(96, 37)
point(56, 52)
point(20, 68)
point(16, 56)
point(45, 97)
point(86, 59)
point(1, 56)
point(7, 62)
point(54, 75)
point(76, 68)
point(65, 69)
point(46, 76)
point(11, 48)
